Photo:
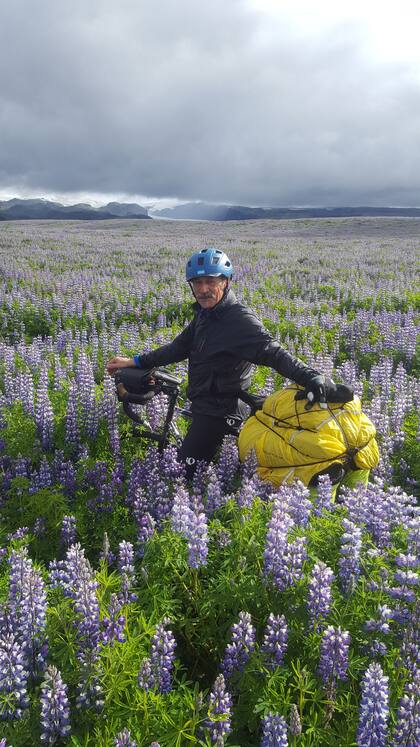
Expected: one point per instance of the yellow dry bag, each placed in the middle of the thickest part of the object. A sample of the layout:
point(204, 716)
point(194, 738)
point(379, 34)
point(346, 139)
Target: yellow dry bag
point(291, 442)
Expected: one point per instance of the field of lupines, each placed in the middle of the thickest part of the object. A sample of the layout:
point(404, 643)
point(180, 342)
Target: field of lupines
point(138, 610)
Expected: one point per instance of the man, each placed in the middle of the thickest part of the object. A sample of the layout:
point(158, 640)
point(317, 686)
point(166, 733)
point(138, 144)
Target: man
point(221, 343)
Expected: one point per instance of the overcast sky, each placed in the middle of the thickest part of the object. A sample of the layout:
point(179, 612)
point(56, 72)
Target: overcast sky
point(265, 102)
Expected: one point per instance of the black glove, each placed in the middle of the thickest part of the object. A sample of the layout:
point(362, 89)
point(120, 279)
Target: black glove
point(314, 392)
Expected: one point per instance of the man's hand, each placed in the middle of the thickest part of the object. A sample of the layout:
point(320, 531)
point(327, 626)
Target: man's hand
point(314, 392)
point(118, 362)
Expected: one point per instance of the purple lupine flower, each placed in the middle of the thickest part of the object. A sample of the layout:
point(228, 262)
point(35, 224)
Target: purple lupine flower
point(349, 562)
point(126, 558)
point(170, 467)
point(296, 496)
point(197, 538)
point(156, 409)
point(228, 462)
point(126, 595)
point(147, 473)
point(109, 410)
point(202, 472)
point(89, 689)
point(223, 538)
point(86, 395)
point(39, 528)
point(276, 543)
point(249, 466)
point(146, 677)
point(356, 503)
point(20, 565)
point(145, 530)
point(41, 479)
point(376, 648)
point(124, 739)
point(75, 576)
point(113, 625)
point(163, 501)
point(68, 531)
point(162, 657)
point(25, 391)
point(215, 498)
point(275, 640)
point(26, 609)
point(319, 593)
point(380, 625)
point(127, 570)
point(31, 623)
point(334, 651)
point(407, 730)
point(68, 478)
point(72, 423)
point(181, 510)
point(135, 489)
point(410, 645)
point(374, 710)
point(413, 538)
point(22, 467)
point(55, 707)
point(295, 556)
point(324, 495)
point(44, 416)
point(241, 647)
point(406, 578)
point(96, 476)
point(156, 671)
point(18, 534)
point(274, 731)
point(378, 521)
point(220, 708)
point(13, 679)
point(136, 495)
point(106, 554)
point(250, 488)
point(295, 725)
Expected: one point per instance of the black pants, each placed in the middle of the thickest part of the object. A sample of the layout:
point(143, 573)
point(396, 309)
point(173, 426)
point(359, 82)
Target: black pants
point(204, 436)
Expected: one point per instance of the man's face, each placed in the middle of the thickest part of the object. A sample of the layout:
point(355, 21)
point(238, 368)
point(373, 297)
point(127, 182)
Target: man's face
point(208, 290)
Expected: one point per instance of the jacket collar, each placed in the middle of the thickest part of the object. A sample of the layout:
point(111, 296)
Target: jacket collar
point(228, 299)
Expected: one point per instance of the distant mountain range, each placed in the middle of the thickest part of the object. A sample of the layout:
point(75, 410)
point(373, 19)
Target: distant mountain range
point(42, 209)
point(204, 211)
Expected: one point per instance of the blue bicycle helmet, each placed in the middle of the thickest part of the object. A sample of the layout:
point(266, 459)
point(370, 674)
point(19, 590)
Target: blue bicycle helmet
point(209, 261)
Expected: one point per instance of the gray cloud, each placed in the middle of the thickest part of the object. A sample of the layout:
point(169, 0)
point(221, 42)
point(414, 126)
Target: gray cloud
point(201, 101)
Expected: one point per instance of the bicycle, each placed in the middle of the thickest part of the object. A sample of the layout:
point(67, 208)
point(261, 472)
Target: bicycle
point(136, 386)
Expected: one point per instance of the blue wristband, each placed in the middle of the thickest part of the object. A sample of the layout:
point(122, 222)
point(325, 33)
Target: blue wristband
point(136, 359)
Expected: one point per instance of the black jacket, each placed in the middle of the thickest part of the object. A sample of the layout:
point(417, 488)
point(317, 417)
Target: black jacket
point(221, 345)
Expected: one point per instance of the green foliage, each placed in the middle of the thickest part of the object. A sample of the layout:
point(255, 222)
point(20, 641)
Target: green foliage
point(410, 450)
point(22, 508)
point(19, 435)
